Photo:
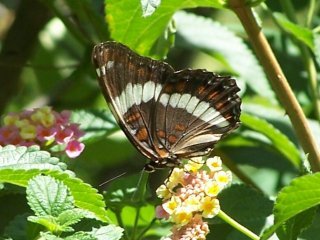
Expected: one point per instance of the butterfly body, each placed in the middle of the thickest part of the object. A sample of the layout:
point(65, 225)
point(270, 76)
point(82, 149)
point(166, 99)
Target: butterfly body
point(168, 115)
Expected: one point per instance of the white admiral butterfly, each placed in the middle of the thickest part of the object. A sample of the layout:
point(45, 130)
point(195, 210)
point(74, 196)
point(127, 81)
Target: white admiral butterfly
point(166, 114)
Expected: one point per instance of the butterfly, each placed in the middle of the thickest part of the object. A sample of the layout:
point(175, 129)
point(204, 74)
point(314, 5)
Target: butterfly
point(167, 115)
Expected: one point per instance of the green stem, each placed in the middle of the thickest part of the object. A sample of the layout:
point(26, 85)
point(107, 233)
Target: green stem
point(146, 229)
point(311, 11)
point(135, 225)
point(237, 225)
point(141, 187)
point(278, 81)
point(120, 223)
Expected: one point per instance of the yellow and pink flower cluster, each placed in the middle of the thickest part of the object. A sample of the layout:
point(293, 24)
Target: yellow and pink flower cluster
point(43, 127)
point(190, 194)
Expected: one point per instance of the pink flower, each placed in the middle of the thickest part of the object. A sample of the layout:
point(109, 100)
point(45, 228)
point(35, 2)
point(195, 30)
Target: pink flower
point(74, 148)
point(45, 134)
point(63, 135)
point(43, 127)
point(161, 213)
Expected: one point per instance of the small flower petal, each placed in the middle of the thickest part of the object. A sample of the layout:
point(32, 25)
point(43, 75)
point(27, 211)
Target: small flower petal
point(74, 149)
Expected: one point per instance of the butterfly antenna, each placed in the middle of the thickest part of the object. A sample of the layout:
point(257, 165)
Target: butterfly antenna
point(120, 175)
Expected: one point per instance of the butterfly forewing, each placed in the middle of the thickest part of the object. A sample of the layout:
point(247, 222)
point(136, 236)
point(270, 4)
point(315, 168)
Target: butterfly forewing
point(130, 83)
point(165, 114)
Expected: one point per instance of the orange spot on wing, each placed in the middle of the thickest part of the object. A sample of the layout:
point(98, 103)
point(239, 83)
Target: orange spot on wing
point(172, 139)
point(133, 117)
point(180, 127)
point(142, 134)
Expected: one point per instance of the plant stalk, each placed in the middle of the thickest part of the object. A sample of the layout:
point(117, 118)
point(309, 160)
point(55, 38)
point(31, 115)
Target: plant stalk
point(237, 225)
point(278, 81)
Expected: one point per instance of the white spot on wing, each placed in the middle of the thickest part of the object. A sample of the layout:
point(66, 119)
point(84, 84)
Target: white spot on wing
point(157, 91)
point(110, 64)
point(98, 72)
point(129, 96)
point(148, 91)
point(184, 100)
point(192, 104)
point(174, 99)
point(137, 93)
point(210, 114)
point(201, 108)
point(164, 99)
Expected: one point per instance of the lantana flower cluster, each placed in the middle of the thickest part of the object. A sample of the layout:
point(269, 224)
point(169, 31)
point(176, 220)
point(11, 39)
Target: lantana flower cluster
point(43, 127)
point(190, 194)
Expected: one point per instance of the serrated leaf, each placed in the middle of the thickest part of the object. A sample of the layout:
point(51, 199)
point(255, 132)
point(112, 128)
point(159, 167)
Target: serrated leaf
point(292, 228)
point(71, 216)
point(303, 193)
point(48, 196)
point(48, 222)
point(279, 141)
point(127, 24)
point(110, 232)
point(95, 123)
point(85, 197)
point(301, 33)
point(13, 157)
point(213, 37)
point(81, 236)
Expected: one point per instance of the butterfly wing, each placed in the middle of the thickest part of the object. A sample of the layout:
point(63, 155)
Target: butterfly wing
point(195, 110)
point(130, 84)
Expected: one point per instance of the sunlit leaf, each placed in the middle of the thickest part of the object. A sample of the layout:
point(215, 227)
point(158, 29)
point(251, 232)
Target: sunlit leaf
point(303, 193)
point(301, 33)
point(127, 24)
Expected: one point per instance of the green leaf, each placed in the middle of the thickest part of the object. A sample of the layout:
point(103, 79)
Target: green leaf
point(212, 37)
point(13, 157)
point(71, 216)
point(50, 223)
point(149, 6)
point(303, 193)
point(303, 34)
point(127, 24)
point(292, 228)
point(96, 124)
point(48, 196)
point(85, 197)
point(245, 204)
point(279, 141)
point(110, 232)
point(316, 37)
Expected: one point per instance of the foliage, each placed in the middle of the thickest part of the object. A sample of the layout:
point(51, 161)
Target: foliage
point(45, 60)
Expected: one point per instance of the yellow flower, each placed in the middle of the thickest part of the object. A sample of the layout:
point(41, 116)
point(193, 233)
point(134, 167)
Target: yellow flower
point(182, 216)
point(192, 202)
point(194, 165)
point(10, 119)
point(210, 207)
point(214, 164)
point(28, 132)
point(212, 188)
point(44, 116)
point(171, 205)
point(163, 192)
point(223, 178)
point(175, 178)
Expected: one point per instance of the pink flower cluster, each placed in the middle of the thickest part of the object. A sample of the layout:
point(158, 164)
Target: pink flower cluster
point(43, 127)
point(190, 194)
